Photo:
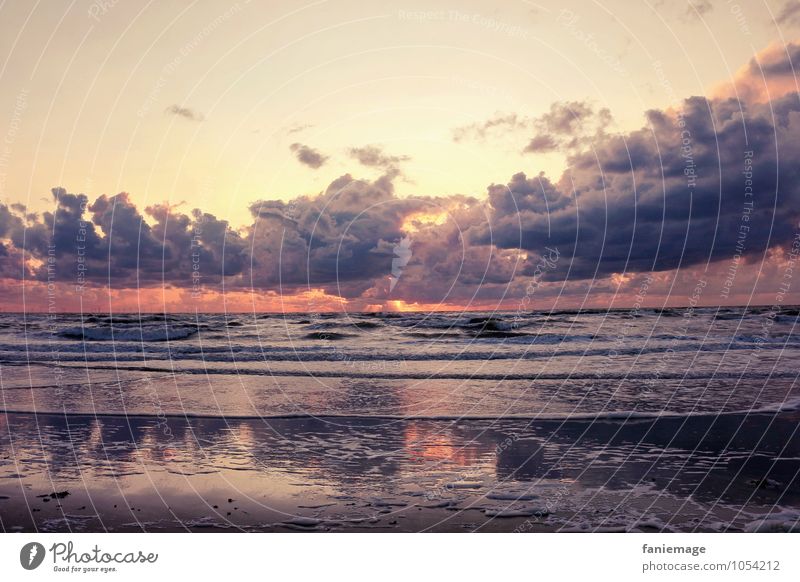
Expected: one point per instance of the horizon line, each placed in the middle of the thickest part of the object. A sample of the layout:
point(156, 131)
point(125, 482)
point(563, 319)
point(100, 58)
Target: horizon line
point(496, 310)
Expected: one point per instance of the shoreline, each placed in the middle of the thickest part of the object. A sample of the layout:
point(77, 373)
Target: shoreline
point(119, 473)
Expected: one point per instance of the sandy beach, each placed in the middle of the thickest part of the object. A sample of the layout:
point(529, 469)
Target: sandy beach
point(80, 473)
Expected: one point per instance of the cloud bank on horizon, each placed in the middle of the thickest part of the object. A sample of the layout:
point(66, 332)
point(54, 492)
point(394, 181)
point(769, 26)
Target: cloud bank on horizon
point(712, 185)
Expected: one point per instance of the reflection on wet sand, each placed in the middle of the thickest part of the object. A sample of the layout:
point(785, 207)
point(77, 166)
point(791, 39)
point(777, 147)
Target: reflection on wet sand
point(154, 474)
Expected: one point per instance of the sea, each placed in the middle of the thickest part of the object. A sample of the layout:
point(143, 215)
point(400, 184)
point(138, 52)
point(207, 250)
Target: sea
point(674, 419)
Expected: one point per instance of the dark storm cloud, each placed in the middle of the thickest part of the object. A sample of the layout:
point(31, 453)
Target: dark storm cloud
point(110, 241)
point(308, 156)
point(340, 240)
point(671, 194)
point(445, 266)
point(11, 228)
point(710, 180)
point(184, 112)
point(522, 194)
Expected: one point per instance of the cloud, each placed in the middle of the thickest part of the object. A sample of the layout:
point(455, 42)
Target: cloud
point(542, 143)
point(308, 156)
point(671, 194)
point(297, 128)
point(699, 8)
point(373, 156)
point(480, 130)
point(769, 75)
point(567, 126)
point(341, 240)
point(184, 112)
point(789, 14)
point(109, 241)
point(707, 184)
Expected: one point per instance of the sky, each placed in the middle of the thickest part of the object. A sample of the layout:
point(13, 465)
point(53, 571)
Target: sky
point(397, 156)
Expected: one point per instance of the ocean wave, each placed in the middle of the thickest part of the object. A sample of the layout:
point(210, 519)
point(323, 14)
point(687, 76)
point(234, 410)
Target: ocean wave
point(142, 334)
point(376, 373)
point(787, 406)
point(314, 347)
point(778, 520)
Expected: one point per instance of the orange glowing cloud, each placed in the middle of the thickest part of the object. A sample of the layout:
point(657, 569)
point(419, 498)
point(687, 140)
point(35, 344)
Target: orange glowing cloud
point(769, 75)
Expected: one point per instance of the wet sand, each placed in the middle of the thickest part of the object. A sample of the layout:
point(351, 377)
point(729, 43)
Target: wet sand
point(70, 473)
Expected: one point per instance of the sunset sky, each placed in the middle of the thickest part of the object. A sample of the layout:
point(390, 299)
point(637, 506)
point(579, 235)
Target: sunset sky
point(275, 155)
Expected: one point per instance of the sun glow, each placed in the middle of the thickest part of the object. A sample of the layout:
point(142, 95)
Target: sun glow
point(420, 220)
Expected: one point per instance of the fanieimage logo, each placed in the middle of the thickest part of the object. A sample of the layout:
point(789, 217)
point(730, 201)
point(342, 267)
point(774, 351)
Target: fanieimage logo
point(31, 555)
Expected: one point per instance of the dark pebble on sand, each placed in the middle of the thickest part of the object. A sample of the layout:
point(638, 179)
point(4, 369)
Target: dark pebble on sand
point(54, 495)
